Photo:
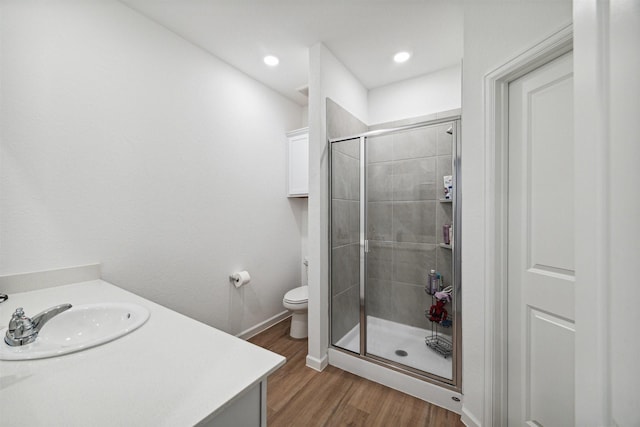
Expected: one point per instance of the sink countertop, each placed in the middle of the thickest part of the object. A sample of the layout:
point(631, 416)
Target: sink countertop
point(171, 371)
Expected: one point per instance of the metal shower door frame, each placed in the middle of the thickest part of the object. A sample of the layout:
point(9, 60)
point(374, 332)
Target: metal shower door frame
point(454, 383)
point(362, 235)
point(364, 245)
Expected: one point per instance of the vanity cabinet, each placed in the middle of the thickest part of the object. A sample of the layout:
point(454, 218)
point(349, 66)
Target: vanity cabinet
point(247, 410)
point(140, 379)
point(298, 163)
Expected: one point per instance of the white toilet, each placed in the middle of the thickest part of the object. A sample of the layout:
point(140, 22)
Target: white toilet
point(297, 300)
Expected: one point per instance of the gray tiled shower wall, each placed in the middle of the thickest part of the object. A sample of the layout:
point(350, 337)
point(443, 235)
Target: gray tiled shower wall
point(405, 219)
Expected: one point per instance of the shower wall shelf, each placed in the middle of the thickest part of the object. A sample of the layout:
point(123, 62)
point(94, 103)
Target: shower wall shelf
point(445, 200)
point(444, 245)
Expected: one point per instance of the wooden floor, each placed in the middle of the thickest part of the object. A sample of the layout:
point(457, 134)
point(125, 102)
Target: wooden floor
point(300, 396)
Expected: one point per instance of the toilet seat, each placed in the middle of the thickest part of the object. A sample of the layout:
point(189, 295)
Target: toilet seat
point(297, 296)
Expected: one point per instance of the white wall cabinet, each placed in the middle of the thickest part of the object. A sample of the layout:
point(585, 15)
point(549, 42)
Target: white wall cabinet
point(298, 163)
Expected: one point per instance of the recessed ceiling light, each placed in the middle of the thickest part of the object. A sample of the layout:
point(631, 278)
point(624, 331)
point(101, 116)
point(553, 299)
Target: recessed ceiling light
point(271, 60)
point(401, 57)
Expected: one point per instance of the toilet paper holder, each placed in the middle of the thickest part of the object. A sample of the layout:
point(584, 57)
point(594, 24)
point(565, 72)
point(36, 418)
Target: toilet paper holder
point(240, 278)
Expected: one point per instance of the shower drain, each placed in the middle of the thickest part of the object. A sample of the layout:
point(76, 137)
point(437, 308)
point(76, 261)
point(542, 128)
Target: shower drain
point(402, 353)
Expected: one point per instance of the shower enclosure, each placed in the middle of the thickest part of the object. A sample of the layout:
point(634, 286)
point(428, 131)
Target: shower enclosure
point(389, 229)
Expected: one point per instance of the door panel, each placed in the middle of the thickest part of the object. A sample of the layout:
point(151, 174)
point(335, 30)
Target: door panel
point(550, 172)
point(541, 247)
point(405, 218)
point(345, 244)
point(550, 368)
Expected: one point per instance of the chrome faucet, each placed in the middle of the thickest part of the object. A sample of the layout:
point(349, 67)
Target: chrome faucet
point(23, 330)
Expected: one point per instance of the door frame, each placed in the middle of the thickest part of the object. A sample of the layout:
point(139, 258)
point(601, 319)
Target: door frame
point(496, 93)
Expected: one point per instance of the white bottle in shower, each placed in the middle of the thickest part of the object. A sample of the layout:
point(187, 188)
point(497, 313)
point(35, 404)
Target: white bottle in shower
point(432, 283)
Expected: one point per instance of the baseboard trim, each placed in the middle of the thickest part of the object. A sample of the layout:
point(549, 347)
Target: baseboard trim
point(317, 364)
point(263, 326)
point(468, 419)
point(25, 282)
point(412, 386)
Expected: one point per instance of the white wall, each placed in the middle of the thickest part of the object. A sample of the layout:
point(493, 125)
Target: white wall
point(327, 78)
point(625, 128)
point(625, 209)
point(304, 237)
point(494, 33)
point(420, 96)
point(124, 144)
point(607, 82)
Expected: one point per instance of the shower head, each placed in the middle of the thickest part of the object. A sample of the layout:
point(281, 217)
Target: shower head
point(450, 130)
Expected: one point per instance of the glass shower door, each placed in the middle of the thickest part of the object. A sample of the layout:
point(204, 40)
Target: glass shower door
point(405, 215)
point(389, 223)
point(346, 249)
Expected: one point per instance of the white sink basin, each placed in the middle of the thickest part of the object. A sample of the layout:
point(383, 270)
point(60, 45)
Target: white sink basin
point(79, 328)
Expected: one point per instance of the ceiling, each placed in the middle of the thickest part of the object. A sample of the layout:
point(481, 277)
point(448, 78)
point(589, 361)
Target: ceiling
point(363, 34)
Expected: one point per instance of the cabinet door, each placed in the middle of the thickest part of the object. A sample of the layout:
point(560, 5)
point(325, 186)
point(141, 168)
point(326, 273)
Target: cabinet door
point(298, 180)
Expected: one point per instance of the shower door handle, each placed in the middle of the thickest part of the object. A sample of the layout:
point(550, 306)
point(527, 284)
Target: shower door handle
point(366, 246)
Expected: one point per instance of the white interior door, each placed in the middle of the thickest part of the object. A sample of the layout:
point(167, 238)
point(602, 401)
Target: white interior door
point(541, 247)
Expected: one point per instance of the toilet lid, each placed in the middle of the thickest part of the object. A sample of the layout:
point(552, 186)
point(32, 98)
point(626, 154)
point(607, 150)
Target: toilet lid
point(297, 295)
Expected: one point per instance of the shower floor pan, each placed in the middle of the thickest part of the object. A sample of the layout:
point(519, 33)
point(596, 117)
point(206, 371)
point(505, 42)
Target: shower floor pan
point(389, 339)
